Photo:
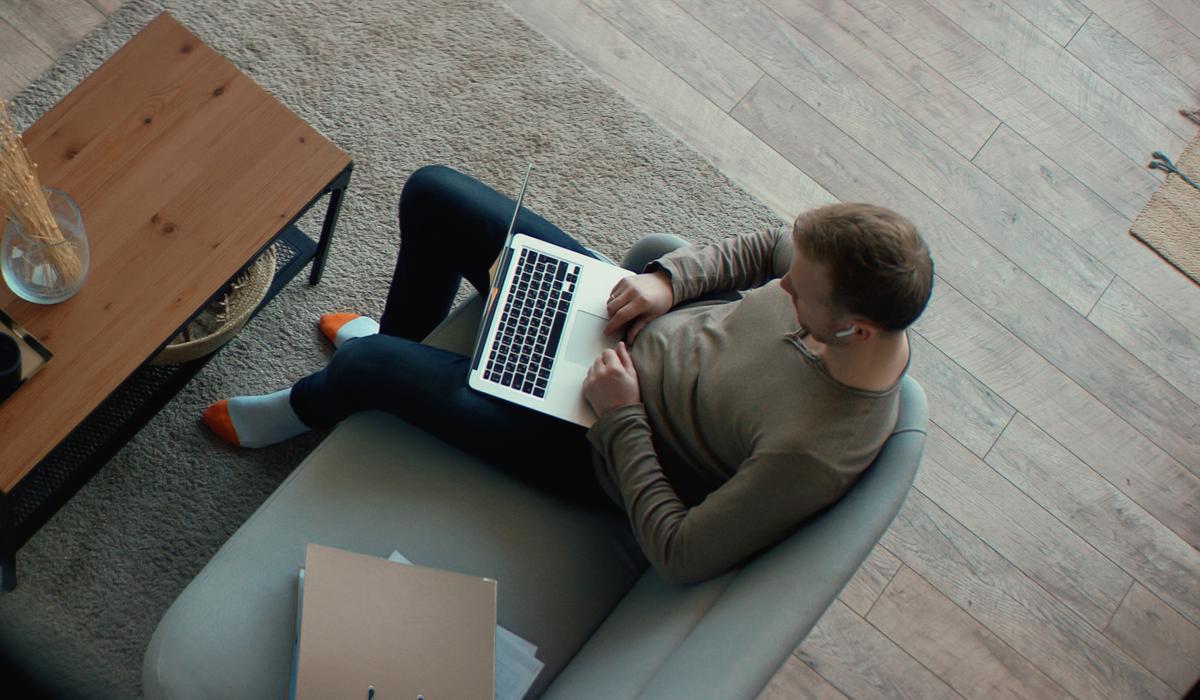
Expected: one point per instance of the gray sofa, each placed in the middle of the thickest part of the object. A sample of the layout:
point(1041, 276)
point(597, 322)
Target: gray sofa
point(571, 581)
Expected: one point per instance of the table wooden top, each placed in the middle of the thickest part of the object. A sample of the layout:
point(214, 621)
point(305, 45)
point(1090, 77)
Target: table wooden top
point(183, 169)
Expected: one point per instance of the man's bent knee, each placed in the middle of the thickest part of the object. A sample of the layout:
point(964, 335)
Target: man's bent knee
point(429, 183)
point(358, 364)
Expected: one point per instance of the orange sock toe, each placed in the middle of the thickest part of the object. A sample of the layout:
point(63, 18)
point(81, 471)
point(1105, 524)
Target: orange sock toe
point(216, 417)
point(331, 323)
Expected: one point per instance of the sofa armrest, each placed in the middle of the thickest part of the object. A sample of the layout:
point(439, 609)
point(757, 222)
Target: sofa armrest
point(726, 638)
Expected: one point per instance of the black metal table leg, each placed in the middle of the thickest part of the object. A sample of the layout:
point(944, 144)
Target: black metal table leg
point(337, 189)
point(8, 545)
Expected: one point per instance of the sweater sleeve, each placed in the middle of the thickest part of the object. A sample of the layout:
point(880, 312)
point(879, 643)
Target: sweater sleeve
point(737, 263)
point(768, 496)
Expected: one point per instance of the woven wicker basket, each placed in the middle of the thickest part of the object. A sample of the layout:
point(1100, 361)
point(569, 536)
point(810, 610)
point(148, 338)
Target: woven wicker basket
point(218, 323)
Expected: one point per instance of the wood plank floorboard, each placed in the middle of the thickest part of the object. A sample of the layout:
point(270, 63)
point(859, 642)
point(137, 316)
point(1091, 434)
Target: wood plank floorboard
point(1060, 19)
point(1018, 611)
point(974, 414)
point(863, 663)
point(869, 581)
point(797, 681)
point(1077, 211)
point(1128, 127)
point(957, 600)
point(1015, 99)
point(1021, 530)
point(1129, 69)
point(901, 144)
point(1100, 514)
point(1158, 636)
point(1072, 416)
point(106, 6)
point(1186, 12)
point(950, 642)
point(1149, 333)
point(1156, 32)
point(676, 40)
point(52, 25)
point(665, 96)
point(893, 71)
point(20, 60)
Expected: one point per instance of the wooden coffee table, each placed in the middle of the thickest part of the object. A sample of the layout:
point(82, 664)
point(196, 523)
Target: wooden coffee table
point(185, 170)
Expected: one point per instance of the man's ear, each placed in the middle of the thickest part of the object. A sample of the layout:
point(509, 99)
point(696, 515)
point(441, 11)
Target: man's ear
point(859, 329)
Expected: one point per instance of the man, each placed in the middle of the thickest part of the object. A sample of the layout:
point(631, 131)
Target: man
point(722, 425)
point(726, 426)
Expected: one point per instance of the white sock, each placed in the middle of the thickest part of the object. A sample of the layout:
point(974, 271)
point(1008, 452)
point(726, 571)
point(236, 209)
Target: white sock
point(265, 420)
point(356, 328)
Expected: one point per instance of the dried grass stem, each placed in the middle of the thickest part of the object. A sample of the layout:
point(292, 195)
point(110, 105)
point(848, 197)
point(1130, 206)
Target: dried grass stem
point(24, 200)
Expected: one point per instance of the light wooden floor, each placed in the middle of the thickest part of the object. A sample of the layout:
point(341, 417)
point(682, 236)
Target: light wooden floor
point(1050, 547)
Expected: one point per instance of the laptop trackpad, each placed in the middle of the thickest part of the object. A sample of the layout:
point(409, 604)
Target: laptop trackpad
point(587, 339)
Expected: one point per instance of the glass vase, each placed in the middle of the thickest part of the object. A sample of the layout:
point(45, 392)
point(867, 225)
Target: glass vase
point(36, 265)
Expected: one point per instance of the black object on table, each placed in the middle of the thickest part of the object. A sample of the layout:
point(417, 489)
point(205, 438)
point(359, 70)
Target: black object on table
point(10, 365)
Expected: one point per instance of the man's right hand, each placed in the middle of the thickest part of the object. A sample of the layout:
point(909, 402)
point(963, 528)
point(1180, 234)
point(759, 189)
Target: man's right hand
point(638, 300)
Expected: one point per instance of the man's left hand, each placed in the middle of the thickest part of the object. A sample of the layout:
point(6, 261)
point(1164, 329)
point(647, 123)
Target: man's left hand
point(612, 381)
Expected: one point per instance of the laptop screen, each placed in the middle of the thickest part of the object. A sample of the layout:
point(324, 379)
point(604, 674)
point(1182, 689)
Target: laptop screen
point(499, 271)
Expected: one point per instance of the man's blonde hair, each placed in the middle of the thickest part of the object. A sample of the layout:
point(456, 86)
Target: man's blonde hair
point(879, 265)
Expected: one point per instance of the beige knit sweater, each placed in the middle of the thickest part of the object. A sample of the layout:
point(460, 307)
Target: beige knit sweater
point(741, 435)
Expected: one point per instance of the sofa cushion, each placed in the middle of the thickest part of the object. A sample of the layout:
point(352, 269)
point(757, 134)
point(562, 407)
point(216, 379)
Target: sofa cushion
point(374, 485)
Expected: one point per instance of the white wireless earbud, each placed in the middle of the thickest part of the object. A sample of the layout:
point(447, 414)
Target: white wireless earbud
point(848, 332)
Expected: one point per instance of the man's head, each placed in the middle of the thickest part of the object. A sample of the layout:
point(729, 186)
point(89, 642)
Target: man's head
point(859, 270)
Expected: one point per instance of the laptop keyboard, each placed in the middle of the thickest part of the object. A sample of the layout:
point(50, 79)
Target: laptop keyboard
point(531, 323)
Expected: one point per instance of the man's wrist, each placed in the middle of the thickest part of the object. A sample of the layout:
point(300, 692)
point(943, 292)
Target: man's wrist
point(664, 275)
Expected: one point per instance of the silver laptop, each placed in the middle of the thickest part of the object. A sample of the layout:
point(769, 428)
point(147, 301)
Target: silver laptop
point(543, 325)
